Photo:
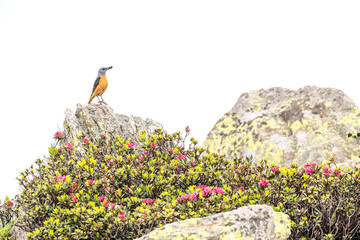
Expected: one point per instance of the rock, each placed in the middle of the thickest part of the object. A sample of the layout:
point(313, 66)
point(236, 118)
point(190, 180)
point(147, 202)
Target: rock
point(249, 222)
point(305, 125)
point(93, 120)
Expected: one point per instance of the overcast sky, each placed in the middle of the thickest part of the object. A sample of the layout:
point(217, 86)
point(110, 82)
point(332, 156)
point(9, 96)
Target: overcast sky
point(181, 63)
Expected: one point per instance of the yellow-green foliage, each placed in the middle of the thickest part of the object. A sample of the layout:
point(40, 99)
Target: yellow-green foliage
point(115, 191)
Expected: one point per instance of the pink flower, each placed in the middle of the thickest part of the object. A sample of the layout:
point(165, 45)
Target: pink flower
point(106, 203)
point(103, 179)
point(74, 199)
point(141, 158)
point(75, 184)
point(187, 129)
point(193, 162)
point(308, 170)
point(337, 172)
point(110, 162)
point(218, 190)
point(102, 197)
point(327, 171)
point(241, 188)
point(274, 169)
point(130, 145)
point(186, 172)
point(85, 205)
point(58, 134)
point(207, 190)
point(144, 216)
point(112, 205)
point(90, 182)
point(10, 203)
point(102, 136)
point(151, 201)
point(112, 179)
point(68, 145)
point(264, 182)
point(153, 145)
point(170, 150)
point(140, 165)
point(86, 140)
point(181, 157)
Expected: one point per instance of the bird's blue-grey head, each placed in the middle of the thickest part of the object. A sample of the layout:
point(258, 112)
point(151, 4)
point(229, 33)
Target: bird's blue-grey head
point(102, 71)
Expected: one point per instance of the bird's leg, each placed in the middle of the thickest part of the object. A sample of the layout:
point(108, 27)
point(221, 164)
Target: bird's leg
point(102, 100)
point(98, 99)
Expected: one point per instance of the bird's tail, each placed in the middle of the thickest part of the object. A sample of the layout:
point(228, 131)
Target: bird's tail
point(91, 98)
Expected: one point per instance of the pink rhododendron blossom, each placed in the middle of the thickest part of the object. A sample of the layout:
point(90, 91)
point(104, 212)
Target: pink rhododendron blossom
point(140, 165)
point(103, 179)
point(68, 145)
point(58, 134)
point(130, 145)
point(102, 198)
point(112, 205)
point(90, 182)
point(141, 158)
point(274, 169)
point(86, 140)
point(181, 157)
point(327, 172)
point(9, 203)
point(193, 162)
point(112, 179)
point(110, 162)
point(102, 135)
point(170, 150)
point(74, 199)
point(75, 184)
point(153, 145)
point(218, 190)
point(151, 201)
point(106, 203)
point(241, 188)
point(337, 172)
point(264, 182)
point(144, 216)
point(207, 190)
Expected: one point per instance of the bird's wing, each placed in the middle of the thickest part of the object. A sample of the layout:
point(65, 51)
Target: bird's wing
point(95, 85)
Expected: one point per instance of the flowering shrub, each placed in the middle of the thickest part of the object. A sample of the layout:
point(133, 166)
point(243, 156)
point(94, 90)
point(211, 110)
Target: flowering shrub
point(118, 191)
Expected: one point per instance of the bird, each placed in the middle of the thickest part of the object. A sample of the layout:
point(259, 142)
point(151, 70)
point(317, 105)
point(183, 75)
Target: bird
point(100, 84)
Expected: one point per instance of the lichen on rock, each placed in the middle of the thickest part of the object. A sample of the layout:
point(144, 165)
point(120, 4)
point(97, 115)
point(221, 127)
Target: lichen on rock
point(285, 126)
point(248, 222)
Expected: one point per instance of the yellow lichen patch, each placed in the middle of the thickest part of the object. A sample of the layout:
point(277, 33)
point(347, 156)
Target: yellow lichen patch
point(282, 225)
point(295, 126)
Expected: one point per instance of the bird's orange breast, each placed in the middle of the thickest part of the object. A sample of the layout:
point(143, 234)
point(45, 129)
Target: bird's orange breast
point(100, 89)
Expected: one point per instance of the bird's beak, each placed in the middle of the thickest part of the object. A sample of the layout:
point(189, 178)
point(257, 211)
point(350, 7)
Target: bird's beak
point(109, 68)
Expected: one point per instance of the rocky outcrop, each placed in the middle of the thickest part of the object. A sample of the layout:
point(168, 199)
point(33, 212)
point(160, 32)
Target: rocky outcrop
point(93, 120)
point(249, 222)
point(285, 126)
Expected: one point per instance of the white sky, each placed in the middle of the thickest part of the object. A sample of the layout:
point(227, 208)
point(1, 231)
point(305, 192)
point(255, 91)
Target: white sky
point(178, 62)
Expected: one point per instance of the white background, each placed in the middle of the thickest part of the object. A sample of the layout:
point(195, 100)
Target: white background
point(178, 62)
